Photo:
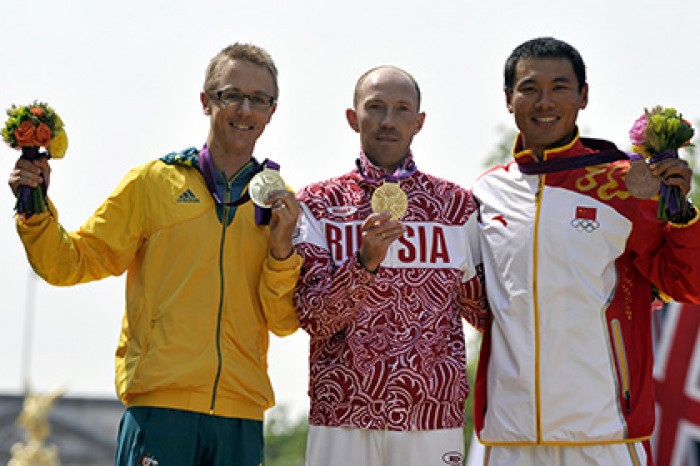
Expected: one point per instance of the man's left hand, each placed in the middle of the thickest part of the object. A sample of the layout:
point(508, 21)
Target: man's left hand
point(674, 172)
point(285, 213)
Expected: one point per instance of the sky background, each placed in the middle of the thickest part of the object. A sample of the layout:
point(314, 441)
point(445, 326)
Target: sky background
point(125, 77)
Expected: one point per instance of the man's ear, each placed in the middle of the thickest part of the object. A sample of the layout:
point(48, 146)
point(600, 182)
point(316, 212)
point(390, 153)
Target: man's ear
point(509, 100)
point(351, 116)
point(206, 104)
point(419, 122)
point(584, 97)
point(272, 112)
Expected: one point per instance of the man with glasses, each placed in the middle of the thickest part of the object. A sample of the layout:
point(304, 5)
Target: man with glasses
point(388, 277)
point(209, 274)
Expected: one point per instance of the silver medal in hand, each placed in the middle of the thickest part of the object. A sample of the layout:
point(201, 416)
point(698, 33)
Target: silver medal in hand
point(263, 184)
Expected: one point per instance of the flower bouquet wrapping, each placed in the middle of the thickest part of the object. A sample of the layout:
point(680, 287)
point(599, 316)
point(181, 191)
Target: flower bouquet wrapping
point(37, 131)
point(655, 136)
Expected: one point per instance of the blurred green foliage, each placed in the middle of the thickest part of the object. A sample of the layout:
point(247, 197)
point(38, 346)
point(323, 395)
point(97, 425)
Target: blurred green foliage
point(285, 439)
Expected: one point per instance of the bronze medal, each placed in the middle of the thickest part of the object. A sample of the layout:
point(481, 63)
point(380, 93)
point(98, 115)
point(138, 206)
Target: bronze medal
point(262, 184)
point(389, 197)
point(640, 182)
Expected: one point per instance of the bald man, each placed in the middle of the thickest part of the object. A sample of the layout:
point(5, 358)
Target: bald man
point(387, 278)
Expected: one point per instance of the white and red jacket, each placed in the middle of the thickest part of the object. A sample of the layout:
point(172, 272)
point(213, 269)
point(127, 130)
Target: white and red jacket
point(569, 260)
point(387, 350)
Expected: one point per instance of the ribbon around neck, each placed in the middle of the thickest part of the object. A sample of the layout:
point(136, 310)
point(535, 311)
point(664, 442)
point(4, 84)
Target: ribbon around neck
point(262, 215)
point(570, 163)
point(399, 173)
point(607, 152)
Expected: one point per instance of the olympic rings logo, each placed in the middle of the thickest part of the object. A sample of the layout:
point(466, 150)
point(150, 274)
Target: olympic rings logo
point(584, 224)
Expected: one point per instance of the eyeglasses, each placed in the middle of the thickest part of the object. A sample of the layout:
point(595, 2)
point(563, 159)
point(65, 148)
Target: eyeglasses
point(258, 101)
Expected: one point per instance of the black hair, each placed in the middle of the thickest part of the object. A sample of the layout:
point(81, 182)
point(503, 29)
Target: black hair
point(544, 47)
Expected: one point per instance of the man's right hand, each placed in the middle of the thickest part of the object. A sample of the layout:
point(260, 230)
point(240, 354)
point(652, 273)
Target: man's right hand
point(378, 232)
point(29, 173)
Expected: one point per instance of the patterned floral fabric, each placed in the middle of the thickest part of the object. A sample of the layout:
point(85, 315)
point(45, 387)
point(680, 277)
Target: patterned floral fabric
point(387, 350)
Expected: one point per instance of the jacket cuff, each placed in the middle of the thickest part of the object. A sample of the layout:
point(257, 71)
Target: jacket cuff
point(364, 273)
point(24, 220)
point(290, 263)
point(693, 220)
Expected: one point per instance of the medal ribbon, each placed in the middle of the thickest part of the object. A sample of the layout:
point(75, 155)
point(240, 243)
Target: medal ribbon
point(607, 153)
point(678, 207)
point(570, 163)
point(399, 173)
point(262, 215)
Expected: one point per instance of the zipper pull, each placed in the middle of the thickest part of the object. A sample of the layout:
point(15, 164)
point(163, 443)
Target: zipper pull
point(627, 401)
point(540, 184)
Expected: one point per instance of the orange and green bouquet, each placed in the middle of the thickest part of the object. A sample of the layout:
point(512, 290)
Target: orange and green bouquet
point(37, 131)
point(655, 136)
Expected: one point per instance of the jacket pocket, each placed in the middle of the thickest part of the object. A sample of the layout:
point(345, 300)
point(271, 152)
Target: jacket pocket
point(621, 357)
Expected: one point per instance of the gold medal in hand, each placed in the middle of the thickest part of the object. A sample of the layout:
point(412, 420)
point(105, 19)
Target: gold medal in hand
point(389, 197)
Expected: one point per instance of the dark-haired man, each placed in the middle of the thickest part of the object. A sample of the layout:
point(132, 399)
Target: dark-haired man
point(207, 277)
point(570, 260)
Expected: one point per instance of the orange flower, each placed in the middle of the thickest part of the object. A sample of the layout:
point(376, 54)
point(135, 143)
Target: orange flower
point(24, 134)
point(42, 136)
point(37, 111)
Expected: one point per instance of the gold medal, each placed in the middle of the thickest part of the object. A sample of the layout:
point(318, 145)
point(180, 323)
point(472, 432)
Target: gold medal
point(389, 197)
point(262, 184)
point(640, 182)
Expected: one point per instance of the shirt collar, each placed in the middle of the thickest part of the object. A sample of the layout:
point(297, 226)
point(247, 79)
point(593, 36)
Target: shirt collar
point(574, 147)
point(370, 171)
point(241, 177)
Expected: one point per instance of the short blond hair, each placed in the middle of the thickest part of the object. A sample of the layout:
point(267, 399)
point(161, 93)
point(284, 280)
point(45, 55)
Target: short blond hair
point(247, 52)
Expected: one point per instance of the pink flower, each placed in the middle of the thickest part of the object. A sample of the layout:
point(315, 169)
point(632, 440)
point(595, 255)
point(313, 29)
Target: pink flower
point(638, 131)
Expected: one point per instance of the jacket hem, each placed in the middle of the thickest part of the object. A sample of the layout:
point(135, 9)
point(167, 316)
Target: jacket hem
point(200, 403)
point(554, 443)
point(447, 415)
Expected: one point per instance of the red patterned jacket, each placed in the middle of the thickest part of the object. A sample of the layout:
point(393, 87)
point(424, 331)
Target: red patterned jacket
point(387, 350)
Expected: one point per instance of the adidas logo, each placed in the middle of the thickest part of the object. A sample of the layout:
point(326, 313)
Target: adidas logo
point(188, 197)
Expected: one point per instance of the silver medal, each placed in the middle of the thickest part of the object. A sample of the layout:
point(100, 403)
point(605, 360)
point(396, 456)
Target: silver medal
point(263, 184)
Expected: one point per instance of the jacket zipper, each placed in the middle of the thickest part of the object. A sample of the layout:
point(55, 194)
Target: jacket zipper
point(535, 297)
point(224, 224)
point(621, 356)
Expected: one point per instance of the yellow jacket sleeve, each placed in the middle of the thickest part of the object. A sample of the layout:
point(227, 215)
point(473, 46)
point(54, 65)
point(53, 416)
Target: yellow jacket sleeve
point(104, 246)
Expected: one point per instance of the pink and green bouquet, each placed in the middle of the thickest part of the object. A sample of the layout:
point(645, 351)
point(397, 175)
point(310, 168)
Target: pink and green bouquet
point(655, 136)
point(37, 131)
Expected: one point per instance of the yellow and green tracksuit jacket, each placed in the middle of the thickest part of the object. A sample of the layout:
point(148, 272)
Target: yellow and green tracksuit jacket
point(201, 293)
